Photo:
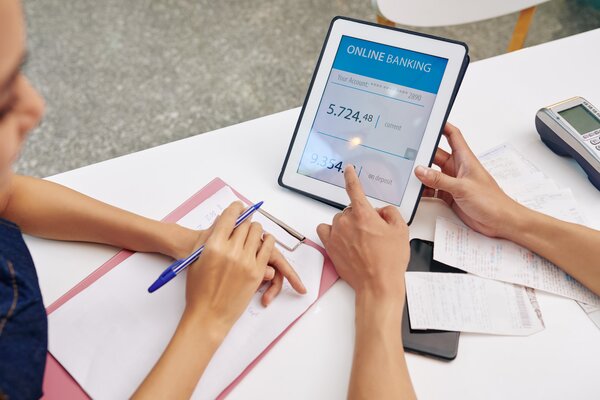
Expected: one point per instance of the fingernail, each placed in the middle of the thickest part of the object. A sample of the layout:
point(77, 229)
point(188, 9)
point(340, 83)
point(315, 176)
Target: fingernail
point(420, 170)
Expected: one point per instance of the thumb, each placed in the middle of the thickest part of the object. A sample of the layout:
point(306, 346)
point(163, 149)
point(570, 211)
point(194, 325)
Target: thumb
point(324, 231)
point(390, 214)
point(436, 179)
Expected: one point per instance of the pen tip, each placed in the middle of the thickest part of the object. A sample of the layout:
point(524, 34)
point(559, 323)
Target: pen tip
point(155, 286)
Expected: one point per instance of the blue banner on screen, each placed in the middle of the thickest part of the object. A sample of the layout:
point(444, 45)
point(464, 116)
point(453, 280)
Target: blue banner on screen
point(390, 64)
point(373, 114)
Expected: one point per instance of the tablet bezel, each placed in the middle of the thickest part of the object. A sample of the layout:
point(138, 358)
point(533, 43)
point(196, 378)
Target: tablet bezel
point(454, 52)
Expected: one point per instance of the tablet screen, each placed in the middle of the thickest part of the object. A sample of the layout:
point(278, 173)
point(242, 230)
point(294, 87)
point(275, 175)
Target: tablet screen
point(372, 114)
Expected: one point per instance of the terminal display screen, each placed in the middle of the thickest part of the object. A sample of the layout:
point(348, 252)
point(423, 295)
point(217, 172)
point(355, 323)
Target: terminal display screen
point(581, 119)
point(373, 114)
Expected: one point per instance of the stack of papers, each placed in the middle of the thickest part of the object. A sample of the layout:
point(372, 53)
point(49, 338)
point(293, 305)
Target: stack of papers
point(461, 247)
point(499, 265)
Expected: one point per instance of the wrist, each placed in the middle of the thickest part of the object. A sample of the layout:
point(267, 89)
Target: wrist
point(516, 220)
point(380, 308)
point(533, 229)
point(177, 241)
point(213, 329)
point(382, 289)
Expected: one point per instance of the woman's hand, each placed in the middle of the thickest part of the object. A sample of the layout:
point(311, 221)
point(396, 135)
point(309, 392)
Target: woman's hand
point(219, 286)
point(231, 268)
point(368, 247)
point(184, 241)
point(278, 270)
point(468, 188)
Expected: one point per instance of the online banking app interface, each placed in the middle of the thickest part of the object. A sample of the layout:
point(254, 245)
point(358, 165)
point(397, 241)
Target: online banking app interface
point(373, 115)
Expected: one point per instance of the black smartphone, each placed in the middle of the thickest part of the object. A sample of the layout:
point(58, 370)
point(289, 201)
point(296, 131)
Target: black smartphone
point(439, 344)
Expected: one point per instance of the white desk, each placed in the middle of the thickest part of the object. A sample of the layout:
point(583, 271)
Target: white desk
point(497, 103)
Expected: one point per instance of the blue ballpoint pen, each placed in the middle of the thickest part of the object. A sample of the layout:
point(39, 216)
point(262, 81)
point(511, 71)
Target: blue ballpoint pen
point(181, 264)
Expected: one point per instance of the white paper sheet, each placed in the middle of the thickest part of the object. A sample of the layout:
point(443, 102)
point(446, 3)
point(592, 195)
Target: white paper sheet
point(525, 183)
point(109, 336)
point(529, 186)
point(559, 204)
point(505, 163)
point(461, 247)
point(202, 217)
point(593, 312)
point(467, 303)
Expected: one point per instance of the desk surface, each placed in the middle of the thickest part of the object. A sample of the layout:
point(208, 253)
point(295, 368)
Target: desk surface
point(497, 104)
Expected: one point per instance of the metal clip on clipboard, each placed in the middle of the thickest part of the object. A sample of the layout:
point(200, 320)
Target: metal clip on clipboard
point(293, 238)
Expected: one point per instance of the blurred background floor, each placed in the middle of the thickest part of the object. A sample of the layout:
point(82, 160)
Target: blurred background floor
point(122, 76)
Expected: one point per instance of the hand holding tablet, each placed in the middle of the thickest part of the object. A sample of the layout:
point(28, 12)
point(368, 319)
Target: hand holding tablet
point(378, 100)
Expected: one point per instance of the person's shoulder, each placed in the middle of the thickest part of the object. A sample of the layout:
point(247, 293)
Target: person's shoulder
point(8, 224)
point(5, 193)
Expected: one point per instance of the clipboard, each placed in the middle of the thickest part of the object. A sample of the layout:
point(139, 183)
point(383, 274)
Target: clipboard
point(58, 383)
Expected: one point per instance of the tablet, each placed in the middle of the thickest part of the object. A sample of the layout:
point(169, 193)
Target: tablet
point(378, 100)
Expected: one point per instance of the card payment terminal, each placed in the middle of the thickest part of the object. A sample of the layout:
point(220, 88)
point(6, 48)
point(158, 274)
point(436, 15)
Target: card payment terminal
point(572, 128)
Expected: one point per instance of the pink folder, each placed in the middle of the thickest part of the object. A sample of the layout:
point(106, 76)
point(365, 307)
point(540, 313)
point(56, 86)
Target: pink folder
point(58, 384)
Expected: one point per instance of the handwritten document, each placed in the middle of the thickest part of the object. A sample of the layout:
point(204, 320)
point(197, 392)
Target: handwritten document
point(110, 335)
point(558, 204)
point(460, 246)
point(203, 216)
point(468, 303)
point(506, 164)
point(525, 183)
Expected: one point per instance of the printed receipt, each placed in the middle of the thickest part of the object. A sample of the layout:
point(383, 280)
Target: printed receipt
point(461, 247)
point(525, 183)
point(467, 303)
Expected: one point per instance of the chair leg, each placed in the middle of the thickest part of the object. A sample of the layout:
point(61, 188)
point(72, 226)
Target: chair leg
point(381, 20)
point(521, 28)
